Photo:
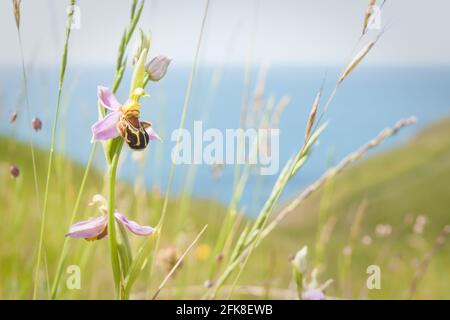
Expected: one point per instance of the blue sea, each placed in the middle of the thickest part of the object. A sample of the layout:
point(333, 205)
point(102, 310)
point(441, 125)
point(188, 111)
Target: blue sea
point(370, 99)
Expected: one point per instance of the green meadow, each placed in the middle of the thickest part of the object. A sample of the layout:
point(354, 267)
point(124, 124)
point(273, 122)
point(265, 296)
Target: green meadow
point(391, 188)
point(372, 226)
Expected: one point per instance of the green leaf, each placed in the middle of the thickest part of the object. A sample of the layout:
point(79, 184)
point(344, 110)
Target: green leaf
point(139, 262)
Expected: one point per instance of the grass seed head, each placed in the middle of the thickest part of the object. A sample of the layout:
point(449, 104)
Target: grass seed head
point(368, 15)
point(16, 6)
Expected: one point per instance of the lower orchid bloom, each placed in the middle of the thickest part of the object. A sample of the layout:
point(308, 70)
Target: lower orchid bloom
point(123, 120)
point(313, 294)
point(97, 228)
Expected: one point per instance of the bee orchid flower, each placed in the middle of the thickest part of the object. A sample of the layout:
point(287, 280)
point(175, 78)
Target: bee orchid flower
point(97, 228)
point(123, 120)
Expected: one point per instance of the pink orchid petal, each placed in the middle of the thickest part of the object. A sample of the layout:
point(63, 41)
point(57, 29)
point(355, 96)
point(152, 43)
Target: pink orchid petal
point(107, 98)
point(88, 229)
point(152, 134)
point(133, 226)
point(106, 128)
point(313, 294)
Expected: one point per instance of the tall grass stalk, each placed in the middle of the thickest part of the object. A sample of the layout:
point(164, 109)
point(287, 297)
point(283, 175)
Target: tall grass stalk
point(326, 222)
point(424, 264)
point(239, 179)
point(240, 176)
point(332, 172)
point(181, 126)
point(184, 112)
point(251, 239)
point(52, 146)
point(28, 112)
point(347, 254)
point(179, 261)
point(310, 136)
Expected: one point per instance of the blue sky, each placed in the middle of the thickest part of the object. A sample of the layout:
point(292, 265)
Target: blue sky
point(270, 32)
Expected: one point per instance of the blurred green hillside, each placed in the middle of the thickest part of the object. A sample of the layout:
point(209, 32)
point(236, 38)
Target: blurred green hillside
point(387, 210)
point(402, 188)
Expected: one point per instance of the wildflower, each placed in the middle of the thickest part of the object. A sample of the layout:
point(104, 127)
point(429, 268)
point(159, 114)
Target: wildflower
point(13, 117)
point(314, 290)
point(300, 261)
point(347, 251)
point(313, 294)
point(157, 67)
point(420, 223)
point(208, 284)
point(299, 266)
point(383, 230)
point(203, 251)
point(366, 240)
point(14, 171)
point(123, 120)
point(97, 199)
point(36, 123)
point(97, 228)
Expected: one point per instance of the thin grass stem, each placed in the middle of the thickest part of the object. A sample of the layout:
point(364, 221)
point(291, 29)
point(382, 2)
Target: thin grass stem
point(52, 147)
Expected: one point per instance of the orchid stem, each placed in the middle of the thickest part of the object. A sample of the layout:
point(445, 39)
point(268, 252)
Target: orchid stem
point(112, 223)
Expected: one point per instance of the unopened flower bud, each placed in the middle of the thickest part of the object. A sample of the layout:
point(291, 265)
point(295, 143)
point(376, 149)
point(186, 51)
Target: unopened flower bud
point(300, 261)
point(36, 123)
point(143, 43)
point(13, 117)
point(14, 171)
point(157, 67)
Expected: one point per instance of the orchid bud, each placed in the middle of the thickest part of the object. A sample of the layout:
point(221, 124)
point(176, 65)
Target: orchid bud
point(157, 67)
point(299, 266)
point(13, 117)
point(300, 261)
point(14, 171)
point(143, 43)
point(36, 123)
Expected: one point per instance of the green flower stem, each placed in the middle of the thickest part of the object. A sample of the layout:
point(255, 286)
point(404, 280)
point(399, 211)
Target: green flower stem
point(112, 223)
point(298, 279)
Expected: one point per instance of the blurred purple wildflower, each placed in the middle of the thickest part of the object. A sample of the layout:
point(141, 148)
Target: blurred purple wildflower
point(313, 294)
point(36, 123)
point(14, 171)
